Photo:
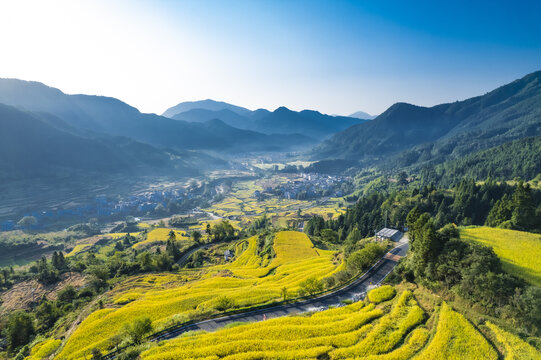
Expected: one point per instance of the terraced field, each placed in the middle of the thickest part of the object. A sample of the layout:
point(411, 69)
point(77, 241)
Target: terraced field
point(167, 298)
point(242, 204)
point(160, 235)
point(519, 251)
point(395, 329)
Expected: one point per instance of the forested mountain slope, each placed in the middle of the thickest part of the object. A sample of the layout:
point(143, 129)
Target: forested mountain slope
point(111, 116)
point(516, 159)
point(445, 131)
point(30, 147)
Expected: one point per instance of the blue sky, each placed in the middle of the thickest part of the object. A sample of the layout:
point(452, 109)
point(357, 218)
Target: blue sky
point(331, 56)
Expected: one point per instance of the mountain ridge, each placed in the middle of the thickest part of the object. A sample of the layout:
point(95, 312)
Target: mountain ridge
point(106, 115)
point(280, 121)
point(448, 130)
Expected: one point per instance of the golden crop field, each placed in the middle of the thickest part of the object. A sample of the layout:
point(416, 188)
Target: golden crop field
point(344, 332)
point(519, 251)
point(160, 235)
point(456, 338)
point(394, 330)
point(78, 248)
point(248, 280)
point(242, 204)
point(381, 293)
point(514, 347)
point(43, 349)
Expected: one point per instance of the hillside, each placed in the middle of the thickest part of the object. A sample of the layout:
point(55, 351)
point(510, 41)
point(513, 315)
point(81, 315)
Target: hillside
point(499, 162)
point(30, 147)
point(281, 121)
point(445, 131)
point(105, 115)
point(397, 328)
point(519, 251)
point(250, 279)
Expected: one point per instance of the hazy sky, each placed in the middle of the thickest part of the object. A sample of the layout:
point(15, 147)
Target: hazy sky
point(331, 56)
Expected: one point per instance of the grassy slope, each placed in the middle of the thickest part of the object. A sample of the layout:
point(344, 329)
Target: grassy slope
point(248, 280)
point(519, 251)
point(393, 330)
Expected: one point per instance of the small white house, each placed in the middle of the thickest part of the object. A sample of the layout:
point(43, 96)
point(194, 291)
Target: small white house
point(388, 234)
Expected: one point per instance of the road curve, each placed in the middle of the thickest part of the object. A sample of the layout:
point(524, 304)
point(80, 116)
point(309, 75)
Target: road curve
point(353, 291)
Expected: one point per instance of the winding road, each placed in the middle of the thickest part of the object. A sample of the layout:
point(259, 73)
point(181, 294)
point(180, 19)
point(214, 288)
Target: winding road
point(354, 291)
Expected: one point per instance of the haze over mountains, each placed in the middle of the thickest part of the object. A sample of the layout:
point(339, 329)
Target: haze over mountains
point(280, 121)
point(44, 129)
point(362, 115)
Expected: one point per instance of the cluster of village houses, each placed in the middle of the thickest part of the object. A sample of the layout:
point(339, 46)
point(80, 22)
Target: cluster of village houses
point(308, 186)
point(103, 206)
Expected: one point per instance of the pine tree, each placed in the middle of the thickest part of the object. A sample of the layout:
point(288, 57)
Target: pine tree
point(523, 217)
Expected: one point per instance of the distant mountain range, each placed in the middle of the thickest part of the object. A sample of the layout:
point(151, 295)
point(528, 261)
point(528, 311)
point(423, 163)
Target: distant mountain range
point(280, 121)
point(406, 135)
point(362, 115)
point(208, 104)
point(32, 147)
point(91, 115)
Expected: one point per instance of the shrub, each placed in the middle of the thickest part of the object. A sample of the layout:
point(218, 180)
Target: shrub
point(224, 303)
point(382, 293)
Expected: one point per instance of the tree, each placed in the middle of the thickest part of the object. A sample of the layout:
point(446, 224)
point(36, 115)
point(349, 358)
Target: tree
point(96, 354)
point(19, 330)
point(67, 294)
point(137, 330)
point(172, 236)
point(412, 217)
point(402, 178)
point(164, 261)
point(196, 236)
point(208, 230)
point(58, 261)
point(329, 235)
point(171, 249)
point(223, 231)
point(114, 341)
point(5, 275)
point(47, 314)
point(361, 260)
point(283, 293)
point(27, 221)
point(311, 285)
point(145, 261)
point(314, 225)
point(224, 303)
point(523, 217)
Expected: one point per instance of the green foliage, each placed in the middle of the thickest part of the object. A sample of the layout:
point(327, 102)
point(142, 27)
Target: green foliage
point(136, 331)
point(18, 330)
point(517, 212)
point(361, 260)
point(196, 236)
point(171, 248)
point(223, 231)
point(499, 162)
point(314, 225)
point(47, 313)
point(311, 286)
point(224, 303)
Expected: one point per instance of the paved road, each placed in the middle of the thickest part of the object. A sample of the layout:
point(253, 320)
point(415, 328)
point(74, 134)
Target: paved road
point(354, 291)
point(184, 258)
